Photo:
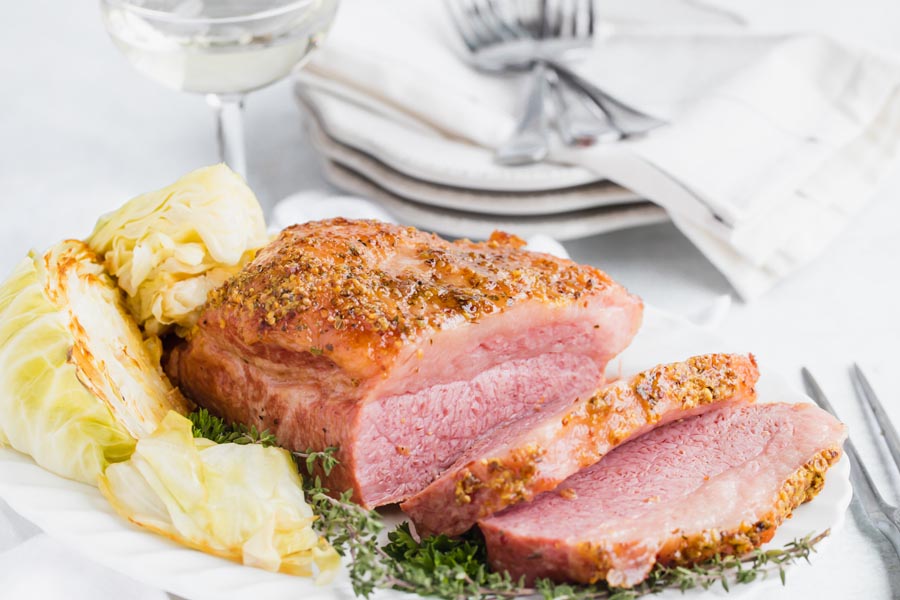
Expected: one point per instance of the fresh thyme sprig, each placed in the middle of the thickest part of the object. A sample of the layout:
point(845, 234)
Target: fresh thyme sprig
point(326, 460)
point(721, 570)
point(351, 529)
point(727, 570)
point(213, 428)
point(456, 569)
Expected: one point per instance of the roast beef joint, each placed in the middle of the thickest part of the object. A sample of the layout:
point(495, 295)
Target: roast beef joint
point(465, 380)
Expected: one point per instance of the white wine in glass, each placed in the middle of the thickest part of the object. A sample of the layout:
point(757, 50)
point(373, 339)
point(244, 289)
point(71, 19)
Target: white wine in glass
point(220, 48)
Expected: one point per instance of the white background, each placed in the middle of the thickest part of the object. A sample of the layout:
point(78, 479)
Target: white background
point(82, 132)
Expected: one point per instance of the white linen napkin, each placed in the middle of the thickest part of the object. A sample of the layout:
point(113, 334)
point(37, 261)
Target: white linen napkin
point(35, 567)
point(774, 141)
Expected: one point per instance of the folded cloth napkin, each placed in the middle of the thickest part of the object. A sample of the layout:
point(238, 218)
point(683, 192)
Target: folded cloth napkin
point(774, 141)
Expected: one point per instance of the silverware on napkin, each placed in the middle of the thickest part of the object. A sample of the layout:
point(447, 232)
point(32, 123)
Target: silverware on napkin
point(503, 36)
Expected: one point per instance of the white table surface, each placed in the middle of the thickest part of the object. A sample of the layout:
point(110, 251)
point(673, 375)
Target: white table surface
point(82, 132)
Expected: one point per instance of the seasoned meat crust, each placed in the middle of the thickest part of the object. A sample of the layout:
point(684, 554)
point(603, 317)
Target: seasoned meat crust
point(398, 347)
point(356, 292)
point(536, 454)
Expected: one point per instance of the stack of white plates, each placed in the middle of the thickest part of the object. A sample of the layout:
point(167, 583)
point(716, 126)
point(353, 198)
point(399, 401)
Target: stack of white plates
point(436, 182)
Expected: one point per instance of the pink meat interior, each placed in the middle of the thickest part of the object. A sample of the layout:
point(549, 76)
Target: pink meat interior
point(715, 471)
point(418, 435)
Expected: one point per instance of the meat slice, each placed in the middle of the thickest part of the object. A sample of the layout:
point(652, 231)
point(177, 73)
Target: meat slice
point(398, 347)
point(720, 483)
point(536, 453)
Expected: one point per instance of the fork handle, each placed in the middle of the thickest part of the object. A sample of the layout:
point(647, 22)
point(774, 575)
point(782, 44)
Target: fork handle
point(579, 120)
point(528, 144)
point(864, 392)
point(888, 529)
point(629, 121)
point(884, 517)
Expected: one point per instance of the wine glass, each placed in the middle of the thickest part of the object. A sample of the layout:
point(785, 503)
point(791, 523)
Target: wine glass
point(221, 48)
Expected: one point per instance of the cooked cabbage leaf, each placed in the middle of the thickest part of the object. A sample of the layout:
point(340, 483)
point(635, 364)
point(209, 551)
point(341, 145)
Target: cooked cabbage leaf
point(242, 502)
point(77, 381)
point(111, 356)
point(169, 248)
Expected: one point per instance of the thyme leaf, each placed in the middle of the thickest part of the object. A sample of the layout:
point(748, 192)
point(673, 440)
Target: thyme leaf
point(213, 428)
point(351, 529)
point(325, 458)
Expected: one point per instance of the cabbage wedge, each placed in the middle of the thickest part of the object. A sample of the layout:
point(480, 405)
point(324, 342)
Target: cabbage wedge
point(241, 502)
point(169, 248)
point(78, 382)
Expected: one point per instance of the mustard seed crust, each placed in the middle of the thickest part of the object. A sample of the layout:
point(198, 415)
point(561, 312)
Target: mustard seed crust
point(380, 284)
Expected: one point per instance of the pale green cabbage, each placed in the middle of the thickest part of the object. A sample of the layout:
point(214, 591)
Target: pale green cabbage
point(169, 248)
point(77, 382)
point(242, 502)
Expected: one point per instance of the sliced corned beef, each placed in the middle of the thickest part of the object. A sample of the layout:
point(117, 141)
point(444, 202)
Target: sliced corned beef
point(536, 453)
point(719, 483)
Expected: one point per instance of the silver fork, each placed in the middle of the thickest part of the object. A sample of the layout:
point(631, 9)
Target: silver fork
point(518, 35)
point(482, 26)
point(563, 24)
point(580, 122)
point(884, 516)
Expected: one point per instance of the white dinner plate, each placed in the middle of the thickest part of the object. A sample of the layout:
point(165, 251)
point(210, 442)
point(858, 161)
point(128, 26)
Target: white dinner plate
point(411, 147)
point(492, 202)
point(458, 223)
point(80, 517)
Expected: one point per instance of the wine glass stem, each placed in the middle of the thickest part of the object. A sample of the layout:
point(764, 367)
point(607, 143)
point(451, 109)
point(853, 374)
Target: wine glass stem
point(230, 130)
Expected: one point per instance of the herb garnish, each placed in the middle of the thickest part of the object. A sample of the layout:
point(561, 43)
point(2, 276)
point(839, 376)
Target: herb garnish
point(213, 428)
point(326, 459)
point(456, 569)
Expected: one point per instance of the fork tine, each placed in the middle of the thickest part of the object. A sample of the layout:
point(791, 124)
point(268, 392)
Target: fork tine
point(532, 17)
point(864, 391)
point(495, 18)
point(488, 20)
point(576, 25)
point(561, 22)
point(460, 23)
point(815, 392)
point(575, 19)
point(590, 18)
point(865, 486)
point(881, 514)
point(543, 18)
point(510, 18)
point(475, 14)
